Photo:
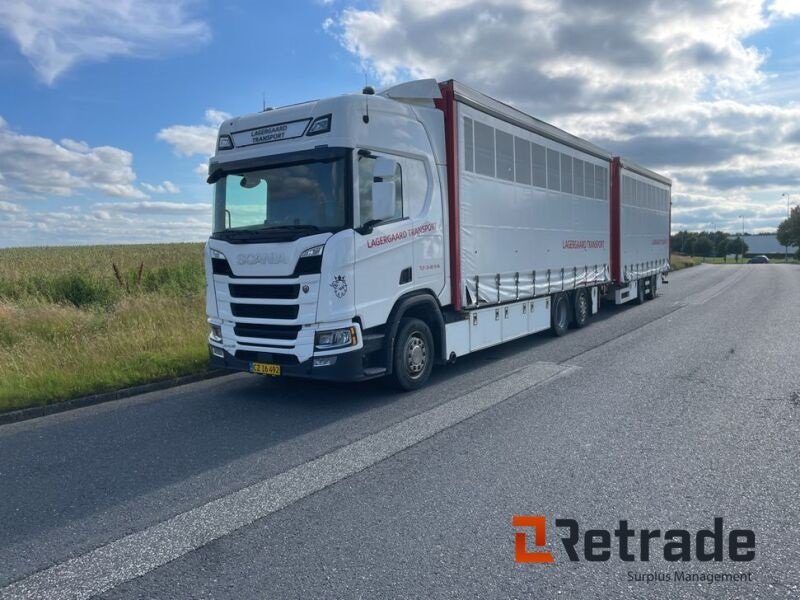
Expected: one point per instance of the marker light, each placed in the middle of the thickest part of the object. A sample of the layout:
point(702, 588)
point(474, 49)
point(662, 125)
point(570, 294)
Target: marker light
point(320, 125)
point(224, 142)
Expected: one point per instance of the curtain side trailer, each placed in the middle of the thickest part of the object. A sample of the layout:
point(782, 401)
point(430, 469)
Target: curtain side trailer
point(372, 235)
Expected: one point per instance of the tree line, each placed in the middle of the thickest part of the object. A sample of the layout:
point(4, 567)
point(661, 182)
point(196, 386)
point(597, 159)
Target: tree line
point(719, 243)
point(708, 243)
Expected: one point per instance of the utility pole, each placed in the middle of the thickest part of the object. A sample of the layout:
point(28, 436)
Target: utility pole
point(788, 214)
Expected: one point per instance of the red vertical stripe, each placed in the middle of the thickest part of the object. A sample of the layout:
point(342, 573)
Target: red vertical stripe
point(614, 208)
point(448, 105)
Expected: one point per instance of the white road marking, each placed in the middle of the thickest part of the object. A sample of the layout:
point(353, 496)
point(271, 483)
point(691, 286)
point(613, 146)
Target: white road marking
point(136, 554)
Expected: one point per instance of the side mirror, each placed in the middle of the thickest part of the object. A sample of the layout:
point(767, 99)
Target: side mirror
point(384, 168)
point(383, 193)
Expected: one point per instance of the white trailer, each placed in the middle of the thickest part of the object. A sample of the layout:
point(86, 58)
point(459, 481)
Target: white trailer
point(370, 235)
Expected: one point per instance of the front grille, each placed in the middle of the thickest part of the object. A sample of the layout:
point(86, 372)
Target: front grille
point(273, 332)
point(270, 292)
point(265, 311)
point(268, 357)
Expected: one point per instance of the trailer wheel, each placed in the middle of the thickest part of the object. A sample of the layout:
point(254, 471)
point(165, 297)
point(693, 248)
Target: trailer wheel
point(559, 314)
point(651, 293)
point(582, 309)
point(413, 354)
point(640, 291)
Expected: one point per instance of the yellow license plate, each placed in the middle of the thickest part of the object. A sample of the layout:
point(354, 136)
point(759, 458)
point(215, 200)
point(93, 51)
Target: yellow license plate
point(265, 368)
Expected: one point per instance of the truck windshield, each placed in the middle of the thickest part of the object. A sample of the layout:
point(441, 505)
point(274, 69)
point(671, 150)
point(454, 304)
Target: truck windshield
point(306, 194)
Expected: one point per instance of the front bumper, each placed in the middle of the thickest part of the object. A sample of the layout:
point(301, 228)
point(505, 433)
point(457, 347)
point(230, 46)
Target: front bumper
point(349, 366)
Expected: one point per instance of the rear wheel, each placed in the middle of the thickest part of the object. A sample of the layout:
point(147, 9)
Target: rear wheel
point(582, 309)
point(651, 293)
point(640, 291)
point(559, 314)
point(413, 354)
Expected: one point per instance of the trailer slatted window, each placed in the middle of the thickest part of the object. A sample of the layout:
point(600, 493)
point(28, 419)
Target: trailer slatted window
point(553, 170)
point(505, 155)
point(566, 173)
point(589, 180)
point(522, 160)
point(484, 149)
point(469, 147)
point(600, 183)
point(577, 173)
point(539, 166)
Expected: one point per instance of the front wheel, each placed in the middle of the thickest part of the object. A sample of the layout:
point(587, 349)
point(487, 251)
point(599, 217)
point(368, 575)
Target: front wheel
point(559, 314)
point(413, 354)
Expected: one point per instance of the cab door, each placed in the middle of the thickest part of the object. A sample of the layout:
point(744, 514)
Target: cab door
point(384, 251)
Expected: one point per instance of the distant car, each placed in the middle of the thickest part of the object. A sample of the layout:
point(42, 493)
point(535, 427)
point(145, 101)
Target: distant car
point(758, 260)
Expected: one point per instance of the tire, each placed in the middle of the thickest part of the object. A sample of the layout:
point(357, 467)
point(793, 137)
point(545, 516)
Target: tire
point(559, 314)
point(652, 291)
point(582, 309)
point(640, 291)
point(414, 353)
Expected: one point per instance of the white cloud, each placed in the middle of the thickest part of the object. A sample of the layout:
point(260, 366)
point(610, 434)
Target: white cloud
point(665, 84)
point(189, 140)
point(9, 207)
point(55, 35)
point(105, 223)
point(165, 187)
point(33, 165)
point(784, 8)
point(147, 206)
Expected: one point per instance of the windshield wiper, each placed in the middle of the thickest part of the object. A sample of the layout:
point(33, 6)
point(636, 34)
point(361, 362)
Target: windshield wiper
point(274, 227)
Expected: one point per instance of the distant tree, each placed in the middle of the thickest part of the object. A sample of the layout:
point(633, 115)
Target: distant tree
point(679, 242)
point(737, 246)
point(720, 241)
point(702, 245)
point(789, 230)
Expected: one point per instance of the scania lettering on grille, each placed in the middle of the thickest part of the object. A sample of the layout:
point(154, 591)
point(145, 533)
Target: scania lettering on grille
point(272, 258)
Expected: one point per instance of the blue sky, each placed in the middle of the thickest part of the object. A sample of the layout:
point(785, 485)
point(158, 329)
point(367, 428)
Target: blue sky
point(107, 112)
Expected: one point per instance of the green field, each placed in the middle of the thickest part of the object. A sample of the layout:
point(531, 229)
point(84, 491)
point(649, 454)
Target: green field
point(80, 320)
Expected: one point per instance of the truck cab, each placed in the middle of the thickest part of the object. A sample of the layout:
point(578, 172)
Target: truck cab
point(328, 227)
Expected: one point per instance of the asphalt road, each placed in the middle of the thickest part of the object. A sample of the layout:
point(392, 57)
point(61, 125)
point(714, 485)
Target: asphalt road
point(666, 415)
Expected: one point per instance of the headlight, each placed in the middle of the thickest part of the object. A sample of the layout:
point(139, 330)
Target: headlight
point(216, 334)
point(315, 251)
point(336, 338)
point(217, 254)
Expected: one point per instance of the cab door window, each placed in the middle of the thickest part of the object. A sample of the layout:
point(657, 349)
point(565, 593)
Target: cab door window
point(366, 165)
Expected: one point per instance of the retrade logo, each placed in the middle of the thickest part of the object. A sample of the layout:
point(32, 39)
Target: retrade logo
point(521, 553)
point(630, 544)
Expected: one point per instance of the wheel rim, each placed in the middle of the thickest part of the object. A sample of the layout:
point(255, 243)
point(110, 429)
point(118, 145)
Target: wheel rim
point(416, 353)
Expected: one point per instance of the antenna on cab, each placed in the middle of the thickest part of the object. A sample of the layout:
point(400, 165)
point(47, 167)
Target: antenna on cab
point(368, 91)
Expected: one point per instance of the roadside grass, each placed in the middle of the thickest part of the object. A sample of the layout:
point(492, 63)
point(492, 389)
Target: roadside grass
point(681, 261)
point(81, 320)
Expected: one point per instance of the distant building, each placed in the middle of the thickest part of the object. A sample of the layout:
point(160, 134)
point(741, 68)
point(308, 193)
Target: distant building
point(765, 244)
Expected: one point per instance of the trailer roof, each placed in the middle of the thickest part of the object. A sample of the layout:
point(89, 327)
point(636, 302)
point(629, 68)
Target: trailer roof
point(643, 171)
point(505, 112)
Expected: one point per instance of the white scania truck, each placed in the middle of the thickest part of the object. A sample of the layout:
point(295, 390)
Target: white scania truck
point(377, 234)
